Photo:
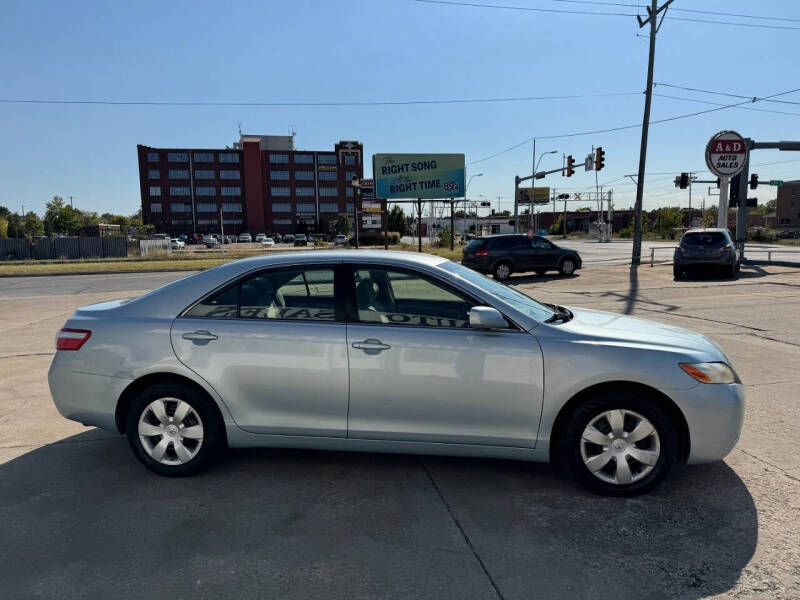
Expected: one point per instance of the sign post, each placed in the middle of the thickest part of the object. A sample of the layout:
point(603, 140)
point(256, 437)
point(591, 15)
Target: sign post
point(726, 156)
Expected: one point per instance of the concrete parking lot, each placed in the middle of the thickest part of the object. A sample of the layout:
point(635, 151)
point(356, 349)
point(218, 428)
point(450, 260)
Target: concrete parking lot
point(79, 517)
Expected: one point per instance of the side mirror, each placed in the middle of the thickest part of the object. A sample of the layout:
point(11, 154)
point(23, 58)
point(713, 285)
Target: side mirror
point(486, 317)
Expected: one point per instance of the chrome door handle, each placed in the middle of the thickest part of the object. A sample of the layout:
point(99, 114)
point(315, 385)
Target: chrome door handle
point(371, 344)
point(201, 335)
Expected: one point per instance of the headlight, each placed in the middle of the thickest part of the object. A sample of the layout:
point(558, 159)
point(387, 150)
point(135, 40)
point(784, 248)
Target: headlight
point(711, 372)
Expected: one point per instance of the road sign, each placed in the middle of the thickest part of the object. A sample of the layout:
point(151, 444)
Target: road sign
point(588, 165)
point(418, 175)
point(541, 195)
point(776, 181)
point(726, 153)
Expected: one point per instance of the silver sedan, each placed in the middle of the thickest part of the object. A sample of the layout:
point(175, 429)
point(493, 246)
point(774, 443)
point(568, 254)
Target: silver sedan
point(393, 352)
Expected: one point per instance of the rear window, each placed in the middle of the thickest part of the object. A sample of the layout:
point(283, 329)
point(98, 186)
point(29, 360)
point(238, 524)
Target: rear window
point(475, 244)
point(710, 239)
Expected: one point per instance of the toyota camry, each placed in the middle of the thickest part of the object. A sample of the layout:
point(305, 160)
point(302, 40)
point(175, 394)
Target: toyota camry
point(393, 352)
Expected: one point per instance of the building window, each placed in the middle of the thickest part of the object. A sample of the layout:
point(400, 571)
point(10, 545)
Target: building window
point(228, 157)
point(304, 192)
point(328, 192)
point(349, 176)
point(206, 191)
point(203, 157)
point(231, 191)
point(349, 159)
point(306, 208)
point(181, 221)
point(281, 221)
point(232, 174)
point(232, 207)
point(206, 207)
point(152, 157)
point(784, 221)
point(349, 192)
point(176, 208)
point(178, 174)
point(304, 175)
point(349, 207)
point(328, 208)
point(177, 157)
point(281, 159)
point(155, 207)
point(207, 221)
point(304, 159)
point(179, 191)
point(326, 159)
point(204, 173)
point(280, 175)
point(279, 191)
point(155, 190)
point(328, 175)
point(231, 221)
point(154, 174)
point(278, 208)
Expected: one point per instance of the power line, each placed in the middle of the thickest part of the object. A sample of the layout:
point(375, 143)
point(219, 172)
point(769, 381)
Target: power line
point(524, 8)
point(308, 104)
point(689, 89)
point(734, 23)
point(624, 127)
point(765, 110)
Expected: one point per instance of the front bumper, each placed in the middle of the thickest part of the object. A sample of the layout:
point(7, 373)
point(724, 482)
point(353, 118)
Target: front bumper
point(88, 399)
point(714, 413)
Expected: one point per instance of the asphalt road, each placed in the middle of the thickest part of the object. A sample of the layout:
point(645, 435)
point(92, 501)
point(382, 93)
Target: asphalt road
point(80, 518)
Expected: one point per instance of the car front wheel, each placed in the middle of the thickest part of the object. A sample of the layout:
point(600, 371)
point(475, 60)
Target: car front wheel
point(567, 266)
point(173, 429)
point(620, 444)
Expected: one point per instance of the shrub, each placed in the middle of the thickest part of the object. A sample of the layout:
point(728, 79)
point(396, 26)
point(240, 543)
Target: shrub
point(373, 239)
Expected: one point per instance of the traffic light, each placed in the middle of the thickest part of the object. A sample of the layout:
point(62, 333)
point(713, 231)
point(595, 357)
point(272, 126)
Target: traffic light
point(570, 166)
point(753, 181)
point(752, 202)
point(733, 190)
point(683, 181)
point(486, 204)
point(599, 158)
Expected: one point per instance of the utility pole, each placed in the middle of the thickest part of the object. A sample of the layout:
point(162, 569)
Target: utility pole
point(70, 201)
point(652, 11)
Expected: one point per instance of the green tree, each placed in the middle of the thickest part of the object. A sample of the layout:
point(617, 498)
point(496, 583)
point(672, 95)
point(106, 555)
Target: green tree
point(667, 220)
point(62, 219)
point(121, 220)
point(3, 227)
point(4, 212)
point(397, 220)
point(557, 228)
point(343, 226)
point(32, 225)
point(709, 217)
point(444, 237)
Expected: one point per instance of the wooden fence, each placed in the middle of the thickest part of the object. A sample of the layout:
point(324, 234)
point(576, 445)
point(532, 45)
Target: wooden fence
point(63, 247)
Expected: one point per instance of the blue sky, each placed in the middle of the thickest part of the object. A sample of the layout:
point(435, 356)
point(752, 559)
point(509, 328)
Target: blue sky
point(315, 50)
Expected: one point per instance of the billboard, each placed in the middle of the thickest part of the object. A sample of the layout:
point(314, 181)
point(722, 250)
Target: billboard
point(418, 175)
point(541, 195)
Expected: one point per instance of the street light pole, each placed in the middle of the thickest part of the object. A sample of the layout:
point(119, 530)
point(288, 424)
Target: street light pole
point(464, 218)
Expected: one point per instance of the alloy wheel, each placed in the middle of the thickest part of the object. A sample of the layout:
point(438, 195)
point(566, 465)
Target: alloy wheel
point(620, 446)
point(170, 431)
point(568, 267)
point(503, 271)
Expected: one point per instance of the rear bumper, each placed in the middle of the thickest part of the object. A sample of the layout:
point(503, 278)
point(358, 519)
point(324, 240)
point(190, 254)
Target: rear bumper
point(88, 399)
point(704, 263)
point(479, 265)
point(714, 414)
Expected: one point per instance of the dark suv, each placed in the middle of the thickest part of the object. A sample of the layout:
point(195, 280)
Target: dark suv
point(502, 255)
point(706, 250)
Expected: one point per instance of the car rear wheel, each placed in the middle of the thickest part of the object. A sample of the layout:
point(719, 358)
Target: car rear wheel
point(173, 429)
point(677, 273)
point(620, 444)
point(502, 271)
point(567, 266)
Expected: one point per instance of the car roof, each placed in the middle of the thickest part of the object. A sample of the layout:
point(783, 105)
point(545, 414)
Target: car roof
point(707, 230)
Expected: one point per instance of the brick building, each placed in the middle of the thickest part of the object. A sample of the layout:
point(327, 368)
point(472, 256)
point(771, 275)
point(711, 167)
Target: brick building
point(787, 210)
point(261, 185)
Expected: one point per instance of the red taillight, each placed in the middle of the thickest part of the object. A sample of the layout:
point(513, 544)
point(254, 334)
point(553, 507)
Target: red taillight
point(482, 253)
point(72, 339)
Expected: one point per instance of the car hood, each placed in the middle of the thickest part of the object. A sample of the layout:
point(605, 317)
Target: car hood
point(604, 328)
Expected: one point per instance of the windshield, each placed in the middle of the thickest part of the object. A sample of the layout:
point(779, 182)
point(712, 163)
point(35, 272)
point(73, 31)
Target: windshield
point(503, 292)
point(475, 244)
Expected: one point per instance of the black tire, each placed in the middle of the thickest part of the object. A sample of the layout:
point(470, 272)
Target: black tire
point(502, 270)
point(731, 271)
point(571, 445)
point(567, 266)
point(677, 273)
point(212, 428)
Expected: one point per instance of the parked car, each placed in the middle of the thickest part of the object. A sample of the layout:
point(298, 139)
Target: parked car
point(288, 238)
point(261, 237)
point(177, 244)
point(708, 249)
point(230, 239)
point(502, 255)
point(245, 237)
point(267, 241)
point(196, 238)
point(300, 240)
point(340, 240)
point(210, 241)
point(276, 237)
point(192, 366)
point(184, 238)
